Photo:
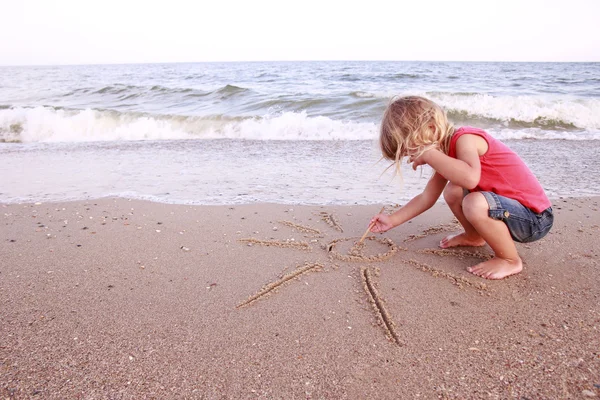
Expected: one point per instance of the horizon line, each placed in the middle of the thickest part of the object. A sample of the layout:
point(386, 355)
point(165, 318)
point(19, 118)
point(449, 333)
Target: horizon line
point(288, 61)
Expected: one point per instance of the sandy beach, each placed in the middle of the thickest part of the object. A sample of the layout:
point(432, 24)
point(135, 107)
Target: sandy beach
point(123, 299)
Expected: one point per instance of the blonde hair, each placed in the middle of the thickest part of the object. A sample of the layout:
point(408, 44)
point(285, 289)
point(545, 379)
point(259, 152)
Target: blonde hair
point(413, 124)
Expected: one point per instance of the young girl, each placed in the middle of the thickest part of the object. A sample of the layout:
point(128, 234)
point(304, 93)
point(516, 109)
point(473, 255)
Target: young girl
point(490, 190)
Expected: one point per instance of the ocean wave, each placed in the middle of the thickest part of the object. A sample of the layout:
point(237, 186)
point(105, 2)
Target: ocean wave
point(46, 124)
point(113, 89)
point(364, 95)
point(292, 122)
point(124, 92)
point(350, 78)
point(546, 112)
point(405, 76)
point(525, 111)
point(231, 90)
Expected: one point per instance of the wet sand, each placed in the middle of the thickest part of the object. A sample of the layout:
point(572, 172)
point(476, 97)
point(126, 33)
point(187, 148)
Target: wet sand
point(123, 299)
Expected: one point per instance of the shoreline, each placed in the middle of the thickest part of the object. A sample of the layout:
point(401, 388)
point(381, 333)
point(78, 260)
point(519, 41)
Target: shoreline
point(251, 172)
point(148, 199)
point(126, 298)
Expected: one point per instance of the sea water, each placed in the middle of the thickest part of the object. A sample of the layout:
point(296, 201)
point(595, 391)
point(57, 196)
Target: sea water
point(283, 132)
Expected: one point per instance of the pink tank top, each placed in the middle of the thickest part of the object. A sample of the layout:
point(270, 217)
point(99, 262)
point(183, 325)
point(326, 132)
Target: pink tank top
point(504, 173)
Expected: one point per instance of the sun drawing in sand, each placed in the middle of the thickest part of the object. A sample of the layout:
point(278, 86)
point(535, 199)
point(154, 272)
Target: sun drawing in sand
point(352, 250)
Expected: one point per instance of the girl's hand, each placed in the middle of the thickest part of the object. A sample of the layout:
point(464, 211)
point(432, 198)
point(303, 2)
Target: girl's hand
point(381, 223)
point(418, 161)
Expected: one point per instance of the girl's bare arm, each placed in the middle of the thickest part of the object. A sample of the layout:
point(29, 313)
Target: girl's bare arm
point(465, 169)
point(414, 207)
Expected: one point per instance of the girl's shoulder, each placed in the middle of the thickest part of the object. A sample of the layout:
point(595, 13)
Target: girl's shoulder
point(468, 130)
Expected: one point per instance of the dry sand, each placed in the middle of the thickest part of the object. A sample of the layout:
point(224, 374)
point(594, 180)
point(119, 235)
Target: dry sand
point(119, 299)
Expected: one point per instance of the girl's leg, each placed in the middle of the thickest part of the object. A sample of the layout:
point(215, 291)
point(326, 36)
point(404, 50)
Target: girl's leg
point(506, 261)
point(454, 196)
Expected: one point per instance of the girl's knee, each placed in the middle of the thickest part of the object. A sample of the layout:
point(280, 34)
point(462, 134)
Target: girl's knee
point(475, 206)
point(453, 194)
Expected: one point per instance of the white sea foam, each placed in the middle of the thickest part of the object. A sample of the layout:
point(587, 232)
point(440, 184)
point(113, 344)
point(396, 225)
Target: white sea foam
point(44, 124)
point(550, 110)
point(298, 126)
point(544, 110)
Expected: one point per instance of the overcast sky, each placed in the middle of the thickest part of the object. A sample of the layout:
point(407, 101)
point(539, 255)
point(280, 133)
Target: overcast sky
point(132, 31)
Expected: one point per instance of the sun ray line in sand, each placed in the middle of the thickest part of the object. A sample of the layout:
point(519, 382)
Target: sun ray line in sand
point(449, 227)
point(277, 243)
point(455, 279)
point(459, 253)
point(274, 285)
point(301, 228)
point(377, 302)
point(331, 220)
point(356, 254)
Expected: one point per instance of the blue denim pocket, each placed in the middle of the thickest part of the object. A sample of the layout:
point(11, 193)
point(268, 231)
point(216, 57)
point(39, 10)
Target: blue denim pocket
point(545, 220)
point(523, 224)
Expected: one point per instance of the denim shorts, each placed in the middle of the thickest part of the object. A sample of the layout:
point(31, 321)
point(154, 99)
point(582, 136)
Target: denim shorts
point(524, 224)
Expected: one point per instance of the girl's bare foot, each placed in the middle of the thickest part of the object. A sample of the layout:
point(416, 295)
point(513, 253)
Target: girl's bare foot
point(497, 268)
point(462, 239)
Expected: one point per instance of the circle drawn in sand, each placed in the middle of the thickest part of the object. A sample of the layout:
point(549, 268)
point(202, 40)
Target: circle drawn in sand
point(357, 251)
